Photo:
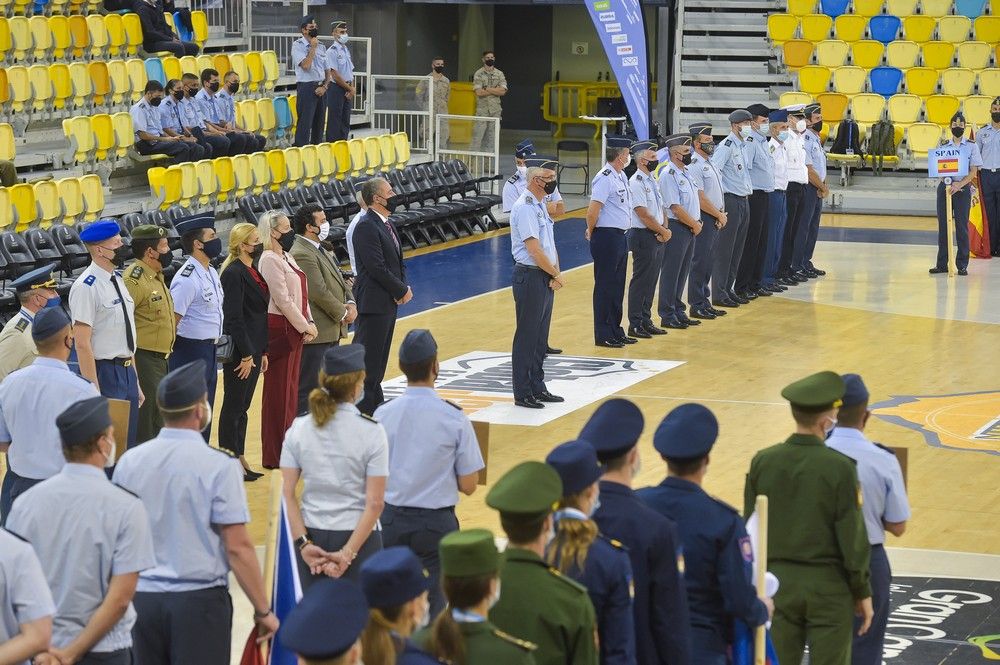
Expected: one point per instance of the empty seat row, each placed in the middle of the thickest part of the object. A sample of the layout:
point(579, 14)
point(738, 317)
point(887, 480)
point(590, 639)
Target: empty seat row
point(834, 8)
point(49, 7)
point(886, 81)
point(884, 28)
point(67, 201)
point(258, 70)
point(869, 54)
point(102, 138)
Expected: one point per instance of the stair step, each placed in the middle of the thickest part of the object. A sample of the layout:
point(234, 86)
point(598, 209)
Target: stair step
point(716, 6)
point(741, 67)
point(761, 52)
point(706, 76)
point(718, 27)
point(697, 92)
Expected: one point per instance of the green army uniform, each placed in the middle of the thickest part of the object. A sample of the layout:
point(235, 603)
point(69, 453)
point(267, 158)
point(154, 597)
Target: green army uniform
point(156, 328)
point(485, 643)
point(488, 106)
point(17, 349)
point(817, 543)
point(538, 602)
point(440, 93)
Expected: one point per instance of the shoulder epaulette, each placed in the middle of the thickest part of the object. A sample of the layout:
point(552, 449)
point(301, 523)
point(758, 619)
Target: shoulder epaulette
point(136, 272)
point(885, 448)
point(512, 180)
point(727, 142)
point(750, 139)
point(844, 455)
point(559, 576)
point(617, 544)
point(126, 490)
point(367, 417)
point(524, 644)
point(89, 280)
point(606, 172)
point(188, 269)
point(21, 325)
point(224, 451)
point(449, 402)
point(25, 540)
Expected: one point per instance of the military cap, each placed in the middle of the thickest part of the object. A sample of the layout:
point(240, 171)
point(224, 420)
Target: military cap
point(958, 117)
point(327, 621)
point(689, 431)
point(529, 492)
point(675, 140)
point(524, 149)
point(39, 278)
point(182, 387)
point(344, 359)
point(810, 108)
point(817, 392)
point(700, 128)
point(393, 576)
point(48, 322)
point(739, 115)
point(186, 225)
point(100, 231)
point(616, 141)
point(338, 23)
point(148, 232)
point(541, 162)
point(996, 100)
point(794, 109)
point(82, 421)
point(758, 110)
point(417, 346)
point(306, 20)
point(855, 391)
point(778, 115)
point(577, 465)
point(641, 146)
point(468, 553)
point(614, 428)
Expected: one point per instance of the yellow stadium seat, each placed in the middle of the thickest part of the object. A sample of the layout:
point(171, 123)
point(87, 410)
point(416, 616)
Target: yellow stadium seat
point(48, 203)
point(834, 107)
point(62, 40)
point(781, 28)
point(225, 176)
point(272, 71)
point(265, 115)
point(901, 7)
point(850, 27)
point(989, 82)
point(7, 148)
point(171, 67)
point(977, 109)
point(189, 65)
point(310, 164)
point(5, 40)
point(789, 98)
point(133, 33)
point(936, 8)
point(4, 91)
point(388, 152)
point(189, 183)
point(81, 138)
point(902, 54)
point(6, 209)
point(104, 136)
point(867, 53)
point(867, 8)
point(294, 111)
point(41, 37)
point(206, 62)
point(137, 77)
point(165, 185)
point(938, 55)
point(121, 125)
point(904, 110)
point(814, 79)
point(208, 183)
point(57, 7)
point(242, 175)
point(974, 55)
point(169, 18)
point(958, 81)
point(816, 27)
point(121, 85)
point(238, 63)
point(832, 53)
point(796, 53)
point(199, 21)
point(93, 197)
point(71, 197)
point(278, 168)
point(373, 154)
point(401, 142)
point(919, 29)
point(99, 38)
point(20, 38)
point(247, 115)
point(359, 158)
point(261, 171)
point(62, 86)
point(80, 33)
point(867, 109)
point(923, 136)
point(221, 63)
point(954, 29)
point(255, 71)
point(849, 80)
point(22, 196)
point(327, 161)
point(342, 153)
point(801, 7)
point(921, 81)
point(117, 39)
point(101, 81)
point(293, 166)
point(940, 108)
point(41, 87)
point(20, 87)
point(987, 29)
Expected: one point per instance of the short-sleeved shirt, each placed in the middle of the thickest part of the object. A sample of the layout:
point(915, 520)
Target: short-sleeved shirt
point(155, 324)
point(349, 237)
point(226, 105)
point(517, 185)
point(482, 79)
point(197, 294)
point(316, 73)
point(24, 593)
point(192, 113)
point(85, 530)
point(529, 218)
point(881, 480)
point(189, 490)
point(17, 348)
point(758, 162)
point(706, 177)
point(336, 461)
point(431, 442)
point(730, 160)
point(94, 301)
point(645, 194)
point(210, 105)
point(678, 188)
point(797, 158)
point(610, 188)
point(817, 156)
point(338, 58)
point(173, 116)
point(968, 148)
point(988, 141)
point(146, 118)
point(779, 156)
point(30, 400)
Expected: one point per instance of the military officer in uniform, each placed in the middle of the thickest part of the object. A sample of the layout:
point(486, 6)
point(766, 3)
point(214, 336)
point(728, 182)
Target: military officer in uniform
point(26, 606)
point(440, 93)
point(104, 323)
point(198, 513)
point(92, 538)
point(886, 507)
point(662, 626)
point(325, 627)
point(817, 544)
point(717, 550)
point(646, 238)
point(197, 294)
point(490, 85)
point(30, 400)
point(960, 192)
point(609, 217)
point(708, 181)
point(777, 204)
point(433, 455)
point(36, 290)
point(308, 56)
point(155, 324)
point(797, 202)
point(988, 142)
point(518, 183)
point(683, 211)
point(538, 602)
point(761, 168)
point(150, 139)
point(730, 159)
point(816, 191)
point(596, 561)
point(340, 75)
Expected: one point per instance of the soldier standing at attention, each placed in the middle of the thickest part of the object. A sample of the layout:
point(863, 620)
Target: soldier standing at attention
point(777, 203)
point(817, 544)
point(683, 211)
point(706, 178)
point(490, 85)
point(729, 158)
point(440, 92)
point(36, 290)
point(517, 183)
point(340, 78)
point(26, 606)
point(646, 239)
point(988, 141)
point(961, 193)
point(761, 168)
point(155, 324)
point(538, 602)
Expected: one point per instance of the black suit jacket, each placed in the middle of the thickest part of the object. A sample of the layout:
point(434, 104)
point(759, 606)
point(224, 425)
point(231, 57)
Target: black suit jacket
point(244, 310)
point(381, 278)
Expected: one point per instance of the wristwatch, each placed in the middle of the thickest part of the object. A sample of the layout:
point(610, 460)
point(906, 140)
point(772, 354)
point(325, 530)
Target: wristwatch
point(302, 541)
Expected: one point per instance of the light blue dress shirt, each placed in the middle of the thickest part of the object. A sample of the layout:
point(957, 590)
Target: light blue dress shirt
point(210, 105)
point(30, 400)
point(529, 218)
point(192, 113)
point(172, 116)
point(338, 57)
point(881, 480)
point(515, 186)
point(679, 188)
point(146, 118)
point(316, 73)
point(988, 142)
point(227, 107)
point(610, 188)
point(758, 160)
point(197, 294)
point(730, 161)
point(85, 530)
point(24, 593)
point(189, 489)
point(816, 154)
point(706, 177)
point(431, 442)
point(646, 194)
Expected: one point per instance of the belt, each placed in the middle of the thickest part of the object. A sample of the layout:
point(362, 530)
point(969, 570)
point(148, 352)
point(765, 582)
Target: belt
point(610, 228)
point(414, 511)
point(739, 196)
point(992, 170)
point(525, 265)
point(191, 339)
point(124, 362)
point(158, 354)
point(314, 84)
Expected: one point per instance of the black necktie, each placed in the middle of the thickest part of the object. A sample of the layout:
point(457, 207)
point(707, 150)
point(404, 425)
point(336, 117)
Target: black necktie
point(129, 338)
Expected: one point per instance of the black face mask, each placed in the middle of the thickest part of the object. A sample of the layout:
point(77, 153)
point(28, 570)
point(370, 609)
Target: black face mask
point(817, 126)
point(178, 94)
point(233, 88)
point(686, 159)
point(191, 92)
point(122, 254)
point(257, 250)
point(957, 131)
point(391, 203)
point(550, 187)
point(652, 164)
point(995, 116)
point(155, 101)
point(166, 258)
point(709, 148)
point(313, 32)
point(214, 86)
point(439, 69)
point(213, 248)
point(286, 240)
point(489, 62)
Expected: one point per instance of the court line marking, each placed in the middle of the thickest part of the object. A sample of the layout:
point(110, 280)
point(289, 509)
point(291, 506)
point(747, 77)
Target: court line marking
point(703, 399)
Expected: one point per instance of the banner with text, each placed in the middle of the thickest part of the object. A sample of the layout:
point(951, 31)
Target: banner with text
point(622, 30)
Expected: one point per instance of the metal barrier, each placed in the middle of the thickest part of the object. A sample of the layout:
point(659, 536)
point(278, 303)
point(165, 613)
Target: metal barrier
point(396, 106)
point(563, 102)
point(456, 135)
point(229, 14)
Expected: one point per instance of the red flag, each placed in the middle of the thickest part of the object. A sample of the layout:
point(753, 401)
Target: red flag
point(979, 227)
point(252, 651)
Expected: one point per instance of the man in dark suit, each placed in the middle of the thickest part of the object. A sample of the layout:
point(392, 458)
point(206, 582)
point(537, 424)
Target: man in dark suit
point(330, 299)
point(380, 286)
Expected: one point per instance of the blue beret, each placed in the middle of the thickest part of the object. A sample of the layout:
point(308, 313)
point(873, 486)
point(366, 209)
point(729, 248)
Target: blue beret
point(344, 359)
point(614, 428)
point(739, 115)
point(418, 345)
point(541, 162)
point(393, 576)
point(186, 225)
point(83, 420)
point(778, 115)
point(327, 622)
point(524, 149)
point(675, 140)
point(577, 465)
point(687, 432)
point(182, 387)
point(855, 391)
point(100, 230)
point(48, 322)
point(641, 146)
point(36, 279)
point(619, 141)
point(758, 110)
point(306, 20)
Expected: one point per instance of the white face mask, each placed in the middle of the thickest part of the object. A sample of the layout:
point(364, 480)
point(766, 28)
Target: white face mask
point(523, 170)
point(495, 598)
point(324, 230)
point(800, 126)
point(208, 418)
point(765, 127)
point(746, 131)
point(109, 457)
point(344, 38)
point(425, 615)
point(628, 160)
point(833, 423)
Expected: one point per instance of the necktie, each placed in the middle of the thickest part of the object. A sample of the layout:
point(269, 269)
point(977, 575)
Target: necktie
point(392, 232)
point(177, 112)
point(129, 338)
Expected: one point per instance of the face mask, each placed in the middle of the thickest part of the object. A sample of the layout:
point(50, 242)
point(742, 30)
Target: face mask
point(233, 88)
point(746, 131)
point(686, 159)
point(651, 165)
point(783, 135)
point(817, 126)
point(390, 204)
point(286, 240)
point(439, 69)
point(313, 32)
point(829, 429)
point(995, 116)
point(593, 509)
point(178, 94)
point(709, 148)
point(214, 86)
point(361, 396)
point(344, 38)
point(109, 457)
point(213, 248)
point(324, 230)
point(122, 254)
point(166, 258)
point(495, 598)
point(489, 62)
point(957, 131)
point(208, 416)
point(54, 301)
point(523, 170)
point(637, 467)
point(550, 187)
point(765, 127)
point(628, 161)
point(257, 250)
point(155, 101)
point(800, 126)
point(425, 616)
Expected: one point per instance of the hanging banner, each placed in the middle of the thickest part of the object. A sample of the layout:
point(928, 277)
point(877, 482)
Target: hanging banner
point(621, 27)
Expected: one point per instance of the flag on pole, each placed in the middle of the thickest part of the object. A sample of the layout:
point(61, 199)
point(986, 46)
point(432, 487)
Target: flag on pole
point(743, 645)
point(979, 228)
point(286, 590)
point(251, 650)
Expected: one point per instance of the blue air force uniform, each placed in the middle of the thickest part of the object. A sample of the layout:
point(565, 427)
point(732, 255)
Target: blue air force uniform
point(730, 159)
point(516, 185)
point(759, 164)
point(177, 117)
point(961, 204)
point(24, 593)
point(706, 177)
point(988, 142)
point(808, 230)
point(645, 245)
point(338, 106)
point(310, 108)
point(146, 118)
point(609, 247)
point(679, 188)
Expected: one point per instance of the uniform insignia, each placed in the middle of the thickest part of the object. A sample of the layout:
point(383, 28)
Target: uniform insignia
point(746, 549)
point(448, 401)
point(136, 272)
point(886, 449)
point(155, 298)
point(188, 269)
point(749, 139)
point(606, 172)
point(861, 498)
point(773, 149)
point(89, 280)
point(367, 417)
point(21, 325)
point(17, 536)
point(227, 453)
point(739, 167)
point(524, 644)
point(727, 142)
point(617, 544)
point(512, 180)
point(126, 490)
point(573, 583)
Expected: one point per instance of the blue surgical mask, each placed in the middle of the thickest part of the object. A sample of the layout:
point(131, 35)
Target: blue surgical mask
point(54, 301)
point(783, 135)
point(746, 131)
point(765, 127)
point(343, 39)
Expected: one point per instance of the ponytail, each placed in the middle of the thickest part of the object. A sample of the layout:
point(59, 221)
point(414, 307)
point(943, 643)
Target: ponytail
point(446, 640)
point(573, 540)
point(333, 389)
point(377, 642)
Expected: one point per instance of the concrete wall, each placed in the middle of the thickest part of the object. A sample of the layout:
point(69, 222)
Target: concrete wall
point(572, 24)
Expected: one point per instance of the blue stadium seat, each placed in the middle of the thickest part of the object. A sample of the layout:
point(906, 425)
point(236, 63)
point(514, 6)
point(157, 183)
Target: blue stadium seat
point(833, 8)
point(283, 116)
point(154, 70)
point(885, 80)
point(182, 30)
point(884, 28)
point(970, 8)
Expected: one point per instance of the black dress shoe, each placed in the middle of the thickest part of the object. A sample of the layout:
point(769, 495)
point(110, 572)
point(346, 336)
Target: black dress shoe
point(817, 271)
point(250, 476)
point(937, 271)
point(654, 330)
point(548, 397)
point(963, 272)
point(639, 332)
point(611, 344)
point(787, 281)
point(701, 314)
point(761, 291)
point(798, 277)
point(688, 322)
point(552, 351)
point(810, 273)
point(748, 295)
point(726, 302)
point(740, 299)
point(529, 402)
point(627, 340)
point(717, 312)
point(676, 324)
point(776, 288)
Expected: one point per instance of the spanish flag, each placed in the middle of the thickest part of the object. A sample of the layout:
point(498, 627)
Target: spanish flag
point(979, 228)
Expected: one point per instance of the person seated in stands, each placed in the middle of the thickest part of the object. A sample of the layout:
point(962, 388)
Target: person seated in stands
point(227, 112)
point(176, 120)
point(157, 35)
point(213, 109)
point(8, 174)
point(150, 139)
point(204, 131)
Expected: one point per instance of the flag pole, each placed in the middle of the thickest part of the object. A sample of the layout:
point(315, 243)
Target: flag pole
point(950, 224)
point(760, 563)
point(273, 524)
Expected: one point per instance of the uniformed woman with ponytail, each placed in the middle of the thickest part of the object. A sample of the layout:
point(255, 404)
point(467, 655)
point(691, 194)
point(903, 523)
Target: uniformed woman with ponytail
point(581, 553)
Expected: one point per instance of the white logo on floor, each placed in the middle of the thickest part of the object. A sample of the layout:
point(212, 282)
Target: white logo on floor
point(480, 382)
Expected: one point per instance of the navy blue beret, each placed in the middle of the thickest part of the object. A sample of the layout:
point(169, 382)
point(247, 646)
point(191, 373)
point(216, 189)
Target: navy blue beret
point(524, 149)
point(577, 465)
point(541, 162)
point(614, 141)
point(100, 230)
point(344, 359)
point(83, 420)
point(393, 576)
point(614, 428)
point(48, 322)
point(182, 387)
point(855, 391)
point(417, 346)
point(688, 431)
point(186, 225)
point(306, 20)
point(36, 279)
point(758, 110)
point(778, 115)
point(739, 115)
point(327, 622)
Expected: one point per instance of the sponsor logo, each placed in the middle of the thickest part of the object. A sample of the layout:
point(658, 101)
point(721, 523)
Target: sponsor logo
point(619, 39)
point(630, 61)
point(604, 17)
point(612, 27)
point(969, 421)
point(602, 5)
point(624, 50)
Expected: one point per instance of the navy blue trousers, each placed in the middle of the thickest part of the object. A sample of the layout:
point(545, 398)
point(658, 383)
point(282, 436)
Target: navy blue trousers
point(421, 529)
point(777, 215)
point(311, 112)
point(807, 228)
point(795, 199)
point(674, 272)
point(609, 249)
point(960, 205)
point(188, 350)
point(867, 649)
point(338, 114)
point(13, 487)
point(533, 300)
point(989, 192)
point(120, 382)
point(702, 260)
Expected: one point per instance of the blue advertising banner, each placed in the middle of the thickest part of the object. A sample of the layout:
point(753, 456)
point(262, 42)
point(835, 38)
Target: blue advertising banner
point(621, 28)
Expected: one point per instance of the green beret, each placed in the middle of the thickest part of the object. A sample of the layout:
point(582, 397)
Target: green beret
point(819, 392)
point(529, 491)
point(469, 553)
point(148, 232)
